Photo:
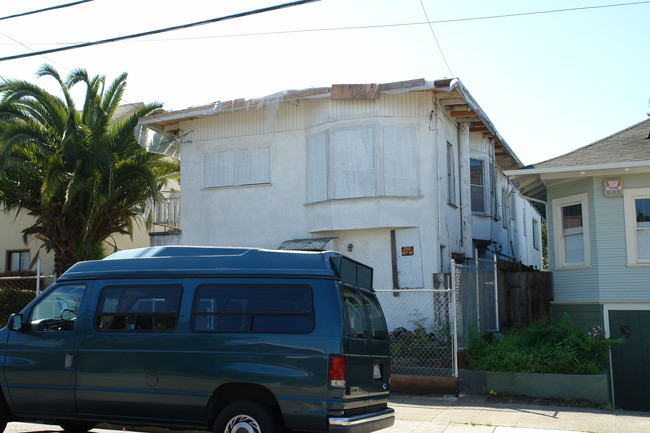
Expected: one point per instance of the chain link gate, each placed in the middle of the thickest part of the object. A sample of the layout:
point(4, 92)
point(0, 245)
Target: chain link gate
point(421, 331)
point(428, 326)
point(475, 285)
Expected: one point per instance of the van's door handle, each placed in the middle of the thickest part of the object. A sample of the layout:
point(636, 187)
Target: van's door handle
point(69, 361)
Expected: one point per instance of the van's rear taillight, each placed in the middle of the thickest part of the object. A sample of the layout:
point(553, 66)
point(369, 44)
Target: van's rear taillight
point(337, 371)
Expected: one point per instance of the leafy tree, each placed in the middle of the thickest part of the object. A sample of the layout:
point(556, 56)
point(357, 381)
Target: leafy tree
point(80, 175)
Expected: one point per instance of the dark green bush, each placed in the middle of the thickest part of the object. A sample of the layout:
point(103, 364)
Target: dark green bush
point(12, 301)
point(541, 348)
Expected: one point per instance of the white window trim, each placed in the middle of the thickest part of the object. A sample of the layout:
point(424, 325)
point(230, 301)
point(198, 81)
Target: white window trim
point(535, 228)
point(451, 175)
point(558, 204)
point(629, 196)
point(484, 186)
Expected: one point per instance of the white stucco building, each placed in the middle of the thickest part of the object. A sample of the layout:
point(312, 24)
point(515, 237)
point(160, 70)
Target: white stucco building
point(400, 176)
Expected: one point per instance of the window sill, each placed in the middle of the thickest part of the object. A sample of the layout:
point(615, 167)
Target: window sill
point(379, 197)
point(571, 268)
point(213, 188)
point(638, 265)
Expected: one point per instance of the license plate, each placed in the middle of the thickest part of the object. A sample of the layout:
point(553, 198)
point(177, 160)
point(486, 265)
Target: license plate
point(376, 371)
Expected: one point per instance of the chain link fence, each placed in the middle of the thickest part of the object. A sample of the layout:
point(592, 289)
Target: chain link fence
point(428, 326)
point(476, 298)
point(420, 329)
point(17, 292)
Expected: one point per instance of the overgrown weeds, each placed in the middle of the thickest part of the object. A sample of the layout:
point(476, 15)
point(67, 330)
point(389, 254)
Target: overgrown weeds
point(541, 348)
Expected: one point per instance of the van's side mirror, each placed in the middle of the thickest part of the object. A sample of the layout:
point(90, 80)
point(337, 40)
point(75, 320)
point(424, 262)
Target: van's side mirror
point(16, 322)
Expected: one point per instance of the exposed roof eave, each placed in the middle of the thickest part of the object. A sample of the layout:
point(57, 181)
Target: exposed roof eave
point(576, 168)
point(161, 122)
point(486, 121)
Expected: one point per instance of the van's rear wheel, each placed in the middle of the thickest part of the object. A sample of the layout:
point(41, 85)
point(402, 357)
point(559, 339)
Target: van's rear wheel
point(76, 426)
point(245, 417)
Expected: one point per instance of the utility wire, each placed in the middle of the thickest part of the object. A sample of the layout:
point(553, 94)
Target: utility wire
point(45, 9)
point(154, 32)
point(435, 38)
point(31, 49)
point(379, 26)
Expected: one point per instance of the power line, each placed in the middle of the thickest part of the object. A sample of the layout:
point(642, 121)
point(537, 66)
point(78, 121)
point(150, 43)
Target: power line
point(323, 29)
point(45, 9)
point(435, 38)
point(154, 32)
point(379, 26)
point(31, 49)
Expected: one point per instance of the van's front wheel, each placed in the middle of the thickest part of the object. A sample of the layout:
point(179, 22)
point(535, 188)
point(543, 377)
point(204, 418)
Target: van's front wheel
point(245, 417)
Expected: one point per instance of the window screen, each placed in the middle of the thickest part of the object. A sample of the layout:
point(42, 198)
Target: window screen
point(262, 309)
point(150, 308)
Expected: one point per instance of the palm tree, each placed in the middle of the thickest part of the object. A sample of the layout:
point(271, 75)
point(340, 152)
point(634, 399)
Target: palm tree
point(82, 177)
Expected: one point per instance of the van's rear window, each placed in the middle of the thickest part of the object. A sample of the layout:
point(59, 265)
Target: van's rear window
point(253, 308)
point(364, 317)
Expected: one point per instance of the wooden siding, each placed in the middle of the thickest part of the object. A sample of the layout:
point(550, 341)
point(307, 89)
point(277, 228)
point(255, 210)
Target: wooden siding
point(609, 279)
point(618, 282)
point(579, 284)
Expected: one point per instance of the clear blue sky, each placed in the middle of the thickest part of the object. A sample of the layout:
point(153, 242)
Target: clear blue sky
point(550, 82)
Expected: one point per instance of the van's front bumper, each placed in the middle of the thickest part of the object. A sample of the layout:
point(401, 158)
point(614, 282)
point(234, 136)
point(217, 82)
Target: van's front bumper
point(368, 422)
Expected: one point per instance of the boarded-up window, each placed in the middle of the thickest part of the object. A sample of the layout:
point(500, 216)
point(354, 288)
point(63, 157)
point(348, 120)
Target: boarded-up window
point(237, 167)
point(354, 163)
point(254, 166)
point(400, 162)
point(357, 163)
point(219, 169)
point(317, 168)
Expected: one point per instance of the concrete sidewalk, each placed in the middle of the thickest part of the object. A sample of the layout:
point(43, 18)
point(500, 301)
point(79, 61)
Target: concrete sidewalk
point(472, 414)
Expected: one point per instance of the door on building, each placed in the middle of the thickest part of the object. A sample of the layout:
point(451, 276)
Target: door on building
point(630, 360)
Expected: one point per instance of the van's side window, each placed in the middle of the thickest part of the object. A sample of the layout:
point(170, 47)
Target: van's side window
point(144, 308)
point(57, 311)
point(357, 326)
point(378, 329)
point(253, 308)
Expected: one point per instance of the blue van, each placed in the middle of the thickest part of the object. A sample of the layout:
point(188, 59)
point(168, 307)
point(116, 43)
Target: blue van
point(231, 340)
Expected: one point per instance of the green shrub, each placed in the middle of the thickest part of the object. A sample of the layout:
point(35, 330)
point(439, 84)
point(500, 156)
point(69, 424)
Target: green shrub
point(12, 301)
point(541, 348)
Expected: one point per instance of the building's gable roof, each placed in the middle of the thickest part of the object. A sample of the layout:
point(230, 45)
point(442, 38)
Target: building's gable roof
point(628, 149)
point(630, 144)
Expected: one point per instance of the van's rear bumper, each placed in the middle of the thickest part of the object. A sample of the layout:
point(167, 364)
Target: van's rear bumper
point(368, 422)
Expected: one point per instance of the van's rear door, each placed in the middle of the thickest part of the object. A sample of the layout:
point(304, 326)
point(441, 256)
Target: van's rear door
point(367, 348)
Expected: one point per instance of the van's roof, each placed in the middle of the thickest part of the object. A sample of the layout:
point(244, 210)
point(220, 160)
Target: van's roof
point(204, 261)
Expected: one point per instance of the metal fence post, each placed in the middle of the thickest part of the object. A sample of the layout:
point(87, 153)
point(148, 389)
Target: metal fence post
point(477, 279)
point(454, 319)
point(496, 294)
point(38, 276)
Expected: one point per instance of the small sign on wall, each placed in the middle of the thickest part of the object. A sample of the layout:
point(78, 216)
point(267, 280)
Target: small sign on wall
point(407, 251)
point(614, 188)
